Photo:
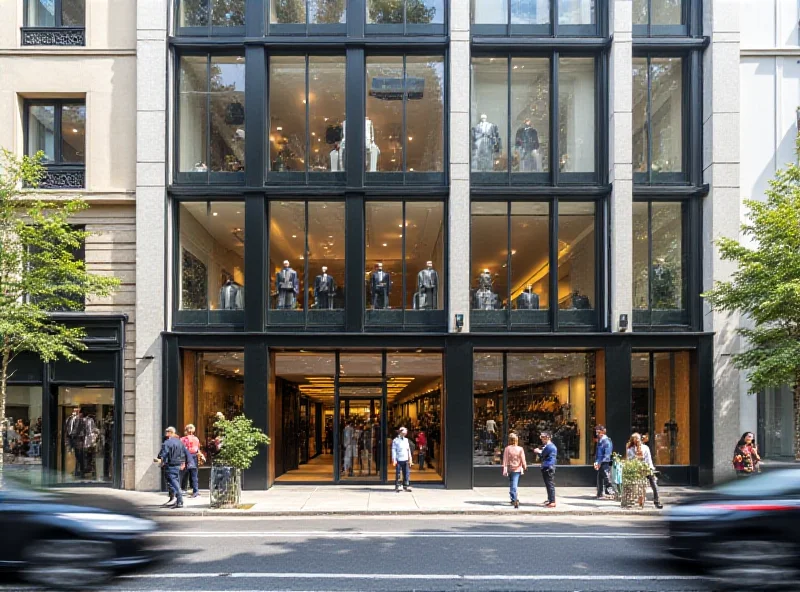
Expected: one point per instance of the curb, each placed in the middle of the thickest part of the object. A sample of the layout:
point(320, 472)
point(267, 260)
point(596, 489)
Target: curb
point(377, 513)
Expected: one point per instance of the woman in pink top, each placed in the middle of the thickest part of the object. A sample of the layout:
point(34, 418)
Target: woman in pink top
point(513, 466)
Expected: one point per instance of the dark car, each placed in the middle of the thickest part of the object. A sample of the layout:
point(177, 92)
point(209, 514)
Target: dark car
point(70, 542)
point(745, 534)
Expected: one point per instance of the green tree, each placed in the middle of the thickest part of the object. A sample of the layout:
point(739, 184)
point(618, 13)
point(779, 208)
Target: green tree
point(766, 288)
point(240, 441)
point(38, 271)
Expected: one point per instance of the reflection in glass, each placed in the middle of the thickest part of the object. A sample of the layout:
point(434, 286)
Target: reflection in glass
point(226, 92)
point(327, 12)
point(384, 123)
point(530, 106)
point(287, 253)
point(640, 394)
point(576, 255)
point(666, 282)
point(41, 13)
point(354, 366)
point(418, 12)
point(489, 112)
point(576, 104)
point(73, 133)
point(85, 434)
point(193, 13)
point(489, 238)
point(776, 423)
point(671, 439)
point(489, 428)
point(384, 255)
point(193, 114)
point(530, 255)
point(664, 12)
point(224, 13)
point(41, 133)
point(73, 13)
point(287, 113)
point(489, 12)
point(641, 255)
point(425, 81)
point(530, 12)
point(326, 255)
point(666, 114)
point(576, 12)
point(22, 441)
point(424, 240)
point(287, 12)
point(211, 255)
point(425, 12)
point(385, 12)
point(641, 141)
point(326, 82)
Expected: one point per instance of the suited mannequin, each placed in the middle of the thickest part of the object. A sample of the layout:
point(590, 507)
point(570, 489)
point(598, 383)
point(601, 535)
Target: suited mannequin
point(324, 290)
point(380, 285)
point(528, 300)
point(428, 287)
point(526, 143)
point(373, 152)
point(485, 145)
point(231, 296)
point(288, 287)
point(484, 298)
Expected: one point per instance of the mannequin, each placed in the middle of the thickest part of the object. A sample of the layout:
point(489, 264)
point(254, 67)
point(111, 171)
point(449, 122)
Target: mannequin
point(579, 301)
point(485, 145)
point(527, 146)
point(231, 296)
point(324, 290)
point(380, 285)
point(663, 287)
point(373, 152)
point(288, 287)
point(428, 287)
point(484, 298)
point(528, 300)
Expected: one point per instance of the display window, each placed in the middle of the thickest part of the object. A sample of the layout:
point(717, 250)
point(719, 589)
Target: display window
point(661, 404)
point(404, 126)
point(210, 17)
point(577, 263)
point(658, 120)
point(660, 263)
point(660, 17)
point(210, 262)
point(306, 263)
point(534, 17)
point(576, 115)
point(22, 434)
point(211, 115)
point(776, 424)
point(404, 267)
point(531, 393)
point(406, 16)
point(307, 119)
point(307, 16)
point(85, 437)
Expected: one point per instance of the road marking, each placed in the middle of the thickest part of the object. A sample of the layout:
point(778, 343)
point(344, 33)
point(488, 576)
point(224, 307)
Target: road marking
point(408, 535)
point(383, 576)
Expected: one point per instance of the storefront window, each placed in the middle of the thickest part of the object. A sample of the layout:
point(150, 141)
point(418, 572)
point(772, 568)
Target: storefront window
point(776, 424)
point(211, 118)
point(658, 120)
point(22, 436)
point(530, 261)
point(221, 15)
point(211, 256)
point(530, 109)
point(488, 141)
point(489, 428)
point(576, 115)
point(576, 263)
point(307, 103)
point(490, 254)
point(85, 437)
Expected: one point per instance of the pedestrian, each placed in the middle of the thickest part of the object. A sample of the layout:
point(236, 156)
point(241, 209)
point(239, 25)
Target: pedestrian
point(548, 453)
point(602, 463)
point(192, 444)
point(745, 456)
point(174, 457)
point(422, 447)
point(639, 450)
point(163, 467)
point(514, 466)
point(401, 460)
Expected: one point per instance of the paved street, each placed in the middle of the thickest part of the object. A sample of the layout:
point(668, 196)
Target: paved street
point(428, 553)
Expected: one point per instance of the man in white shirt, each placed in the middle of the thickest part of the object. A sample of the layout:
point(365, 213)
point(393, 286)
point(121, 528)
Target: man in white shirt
point(401, 460)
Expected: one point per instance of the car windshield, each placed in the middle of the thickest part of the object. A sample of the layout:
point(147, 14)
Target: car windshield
point(765, 485)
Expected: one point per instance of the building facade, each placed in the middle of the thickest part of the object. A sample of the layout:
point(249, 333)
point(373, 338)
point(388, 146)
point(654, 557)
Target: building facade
point(515, 239)
point(67, 88)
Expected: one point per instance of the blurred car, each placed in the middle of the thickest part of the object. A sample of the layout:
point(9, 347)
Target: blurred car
point(744, 534)
point(70, 542)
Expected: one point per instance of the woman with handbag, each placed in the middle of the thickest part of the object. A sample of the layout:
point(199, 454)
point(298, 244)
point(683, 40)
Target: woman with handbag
point(637, 449)
point(745, 456)
point(514, 466)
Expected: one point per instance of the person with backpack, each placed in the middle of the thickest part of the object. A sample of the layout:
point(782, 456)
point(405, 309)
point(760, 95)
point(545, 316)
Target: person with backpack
point(192, 444)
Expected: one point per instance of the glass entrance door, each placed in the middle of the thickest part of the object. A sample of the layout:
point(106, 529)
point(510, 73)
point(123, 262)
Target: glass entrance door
point(85, 444)
point(360, 410)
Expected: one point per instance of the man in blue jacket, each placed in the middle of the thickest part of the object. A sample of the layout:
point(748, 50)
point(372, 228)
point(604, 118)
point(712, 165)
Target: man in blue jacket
point(602, 462)
point(548, 453)
point(174, 456)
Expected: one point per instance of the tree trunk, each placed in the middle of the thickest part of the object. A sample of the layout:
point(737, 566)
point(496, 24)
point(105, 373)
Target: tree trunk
point(796, 415)
point(6, 356)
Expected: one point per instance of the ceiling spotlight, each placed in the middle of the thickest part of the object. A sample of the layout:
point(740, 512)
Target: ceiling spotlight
point(279, 128)
point(215, 214)
point(294, 236)
point(385, 244)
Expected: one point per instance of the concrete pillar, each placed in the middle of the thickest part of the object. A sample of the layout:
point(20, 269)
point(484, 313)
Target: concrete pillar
point(459, 236)
point(151, 166)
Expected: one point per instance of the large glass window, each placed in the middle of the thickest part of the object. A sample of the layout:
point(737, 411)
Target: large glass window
point(22, 432)
point(85, 435)
point(660, 17)
point(306, 111)
point(576, 115)
point(55, 13)
point(306, 262)
point(225, 17)
point(776, 423)
point(553, 392)
point(533, 17)
point(577, 263)
point(404, 261)
point(58, 130)
point(658, 119)
point(299, 16)
point(210, 257)
point(659, 263)
point(404, 128)
point(211, 118)
point(414, 14)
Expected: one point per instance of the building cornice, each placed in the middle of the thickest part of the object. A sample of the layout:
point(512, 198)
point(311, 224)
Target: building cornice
point(66, 52)
point(789, 52)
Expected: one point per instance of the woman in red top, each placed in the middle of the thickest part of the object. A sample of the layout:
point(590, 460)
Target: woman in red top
point(745, 456)
point(422, 447)
point(192, 444)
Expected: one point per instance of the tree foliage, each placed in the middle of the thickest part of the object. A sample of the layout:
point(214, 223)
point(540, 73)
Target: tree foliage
point(240, 441)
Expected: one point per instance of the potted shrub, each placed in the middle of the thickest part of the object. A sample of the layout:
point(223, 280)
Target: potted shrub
point(634, 474)
point(238, 446)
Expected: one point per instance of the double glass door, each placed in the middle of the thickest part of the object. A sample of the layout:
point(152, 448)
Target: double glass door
point(361, 431)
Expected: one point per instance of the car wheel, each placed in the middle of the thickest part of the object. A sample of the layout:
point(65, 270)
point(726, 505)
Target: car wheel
point(757, 565)
point(64, 564)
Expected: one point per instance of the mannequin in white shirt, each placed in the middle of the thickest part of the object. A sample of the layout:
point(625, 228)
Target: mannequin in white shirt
point(373, 152)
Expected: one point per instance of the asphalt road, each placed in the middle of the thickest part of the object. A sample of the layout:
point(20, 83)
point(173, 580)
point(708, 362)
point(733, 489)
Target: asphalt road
point(460, 553)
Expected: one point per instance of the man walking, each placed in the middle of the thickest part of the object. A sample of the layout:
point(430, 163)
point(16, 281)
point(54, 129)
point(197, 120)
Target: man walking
point(401, 460)
point(174, 457)
point(548, 453)
point(602, 463)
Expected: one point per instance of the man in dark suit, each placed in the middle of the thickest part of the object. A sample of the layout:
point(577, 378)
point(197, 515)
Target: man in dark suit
point(380, 285)
point(288, 287)
point(324, 290)
point(174, 457)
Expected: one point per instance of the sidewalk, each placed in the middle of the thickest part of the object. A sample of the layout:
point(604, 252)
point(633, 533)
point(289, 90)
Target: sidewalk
point(312, 500)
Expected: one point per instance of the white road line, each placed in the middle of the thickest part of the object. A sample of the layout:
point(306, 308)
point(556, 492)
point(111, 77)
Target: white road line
point(382, 576)
point(407, 535)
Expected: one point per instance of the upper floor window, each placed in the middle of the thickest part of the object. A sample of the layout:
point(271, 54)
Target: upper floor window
point(406, 16)
point(58, 129)
point(211, 112)
point(660, 17)
point(307, 16)
point(658, 120)
point(54, 22)
point(534, 17)
point(211, 17)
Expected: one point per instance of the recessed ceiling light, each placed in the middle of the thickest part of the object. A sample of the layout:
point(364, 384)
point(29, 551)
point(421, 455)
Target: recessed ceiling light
point(279, 128)
point(294, 236)
point(215, 214)
point(385, 244)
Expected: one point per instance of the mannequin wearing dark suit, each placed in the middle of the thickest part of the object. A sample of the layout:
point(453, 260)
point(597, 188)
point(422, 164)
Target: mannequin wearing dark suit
point(527, 145)
point(485, 145)
point(380, 285)
point(324, 290)
point(528, 300)
point(231, 296)
point(288, 287)
point(428, 288)
point(484, 298)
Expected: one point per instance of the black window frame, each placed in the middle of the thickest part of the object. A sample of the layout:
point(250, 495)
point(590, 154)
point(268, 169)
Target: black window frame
point(58, 174)
point(308, 28)
point(210, 177)
point(582, 321)
point(552, 29)
point(405, 28)
point(672, 178)
point(406, 319)
point(208, 30)
point(688, 15)
point(58, 34)
point(554, 177)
